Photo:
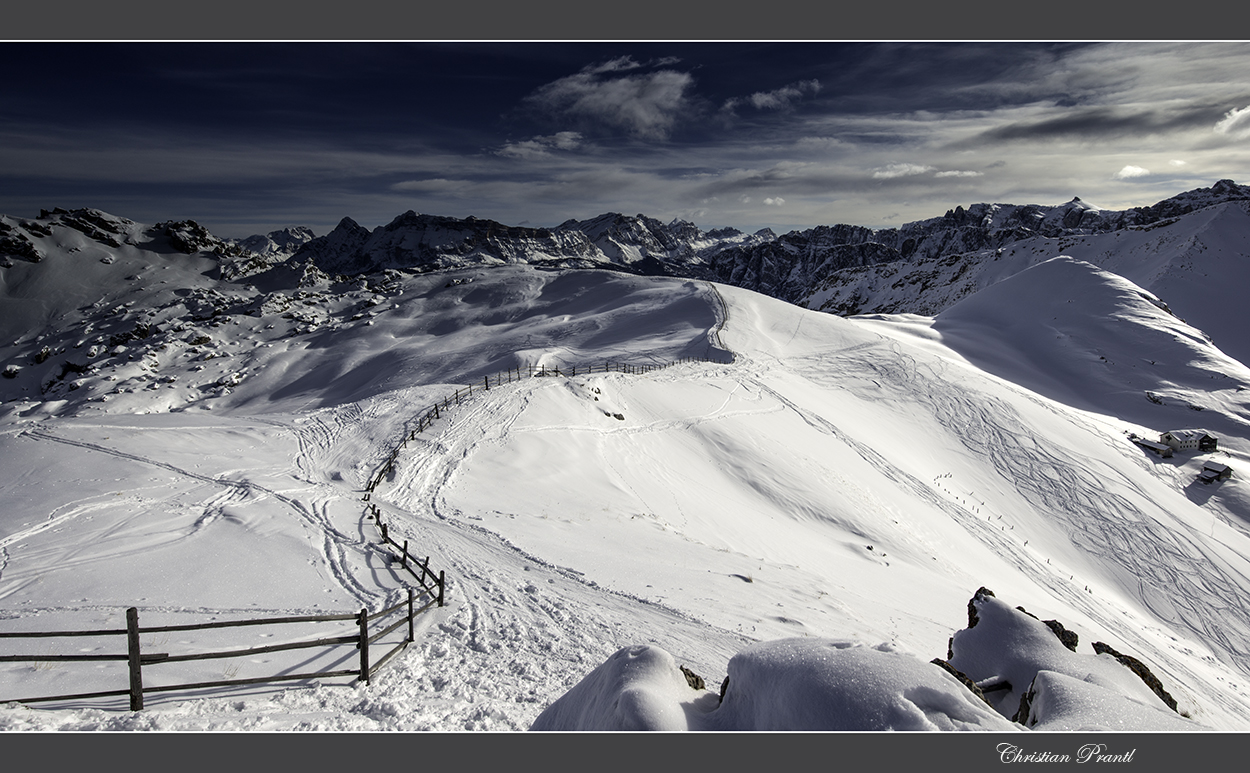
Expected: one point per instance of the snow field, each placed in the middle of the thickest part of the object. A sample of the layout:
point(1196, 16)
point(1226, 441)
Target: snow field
point(834, 484)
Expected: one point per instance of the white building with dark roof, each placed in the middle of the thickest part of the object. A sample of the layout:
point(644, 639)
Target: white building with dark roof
point(1190, 440)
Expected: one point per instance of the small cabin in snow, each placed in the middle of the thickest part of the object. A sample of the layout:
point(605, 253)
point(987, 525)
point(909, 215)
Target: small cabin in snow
point(1190, 440)
point(1212, 471)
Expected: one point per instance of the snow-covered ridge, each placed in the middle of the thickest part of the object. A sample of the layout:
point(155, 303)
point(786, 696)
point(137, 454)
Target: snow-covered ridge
point(835, 481)
point(920, 267)
point(678, 248)
point(432, 242)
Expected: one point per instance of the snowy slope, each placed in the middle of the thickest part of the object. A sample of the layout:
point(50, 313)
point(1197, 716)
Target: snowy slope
point(1094, 340)
point(1194, 262)
point(849, 483)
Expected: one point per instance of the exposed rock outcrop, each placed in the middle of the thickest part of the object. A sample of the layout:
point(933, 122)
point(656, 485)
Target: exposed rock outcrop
point(1141, 669)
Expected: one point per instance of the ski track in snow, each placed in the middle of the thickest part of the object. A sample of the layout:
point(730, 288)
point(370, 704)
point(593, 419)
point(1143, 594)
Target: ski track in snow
point(336, 545)
point(1174, 569)
point(503, 649)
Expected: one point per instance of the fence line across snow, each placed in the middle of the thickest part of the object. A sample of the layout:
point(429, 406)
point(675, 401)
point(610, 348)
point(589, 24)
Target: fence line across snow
point(507, 377)
point(136, 659)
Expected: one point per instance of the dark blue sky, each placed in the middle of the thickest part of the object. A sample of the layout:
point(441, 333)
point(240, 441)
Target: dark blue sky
point(248, 137)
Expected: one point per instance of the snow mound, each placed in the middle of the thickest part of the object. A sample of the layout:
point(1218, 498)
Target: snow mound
point(638, 688)
point(789, 684)
point(1094, 340)
point(822, 684)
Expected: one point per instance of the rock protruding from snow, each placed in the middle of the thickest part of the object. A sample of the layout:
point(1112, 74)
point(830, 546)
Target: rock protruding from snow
point(1052, 687)
point(1139, 668)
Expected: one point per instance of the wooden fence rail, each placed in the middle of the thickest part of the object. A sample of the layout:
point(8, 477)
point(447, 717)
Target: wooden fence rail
point(430, 583)
point(137, 659)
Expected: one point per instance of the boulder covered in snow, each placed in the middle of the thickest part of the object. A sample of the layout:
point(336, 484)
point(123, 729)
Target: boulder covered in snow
point(790, 684)
point(824, 684)
point(638, 688)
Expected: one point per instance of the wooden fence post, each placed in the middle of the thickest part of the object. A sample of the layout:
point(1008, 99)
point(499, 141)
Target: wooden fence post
point(410, 634)
point(364, 645)
point(132, 647)
point(404, 561)
point(440, 587)
point(487, 380)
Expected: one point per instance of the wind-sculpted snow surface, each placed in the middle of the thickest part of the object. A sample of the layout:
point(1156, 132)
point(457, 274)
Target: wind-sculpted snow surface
point(168, 349)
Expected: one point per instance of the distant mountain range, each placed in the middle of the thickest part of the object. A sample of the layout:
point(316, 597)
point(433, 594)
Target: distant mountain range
point(1187, 249)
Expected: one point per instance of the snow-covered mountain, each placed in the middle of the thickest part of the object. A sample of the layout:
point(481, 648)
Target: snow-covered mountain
point(432, 242)
point(187, 427)
point(282, 243)
point(1188, 250)
point(679, 248)
point(428, 243)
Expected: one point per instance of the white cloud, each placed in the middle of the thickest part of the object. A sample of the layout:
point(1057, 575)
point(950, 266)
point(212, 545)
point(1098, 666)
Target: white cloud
point(1178, 162)
point(958, 173)
point(541, 146)
point(431, 185)
point(775, 99)
point(1131, 171)
point(774, 201)
point(899, 170)
point(820, 143)
point(1235, 123)
point(618, 64)
point(645, 105)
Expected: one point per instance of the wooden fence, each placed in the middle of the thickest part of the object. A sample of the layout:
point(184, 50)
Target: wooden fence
point(138, 660)
point(507, 377)
point(430, 584)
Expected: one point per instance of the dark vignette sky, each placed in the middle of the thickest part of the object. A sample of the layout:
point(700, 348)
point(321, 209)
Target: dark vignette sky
point(248, 137)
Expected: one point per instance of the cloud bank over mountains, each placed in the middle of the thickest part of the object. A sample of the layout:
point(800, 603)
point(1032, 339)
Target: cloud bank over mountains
point(876, 134)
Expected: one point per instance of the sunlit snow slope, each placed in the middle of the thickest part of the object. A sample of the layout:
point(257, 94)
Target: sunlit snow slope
point(846, 479)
